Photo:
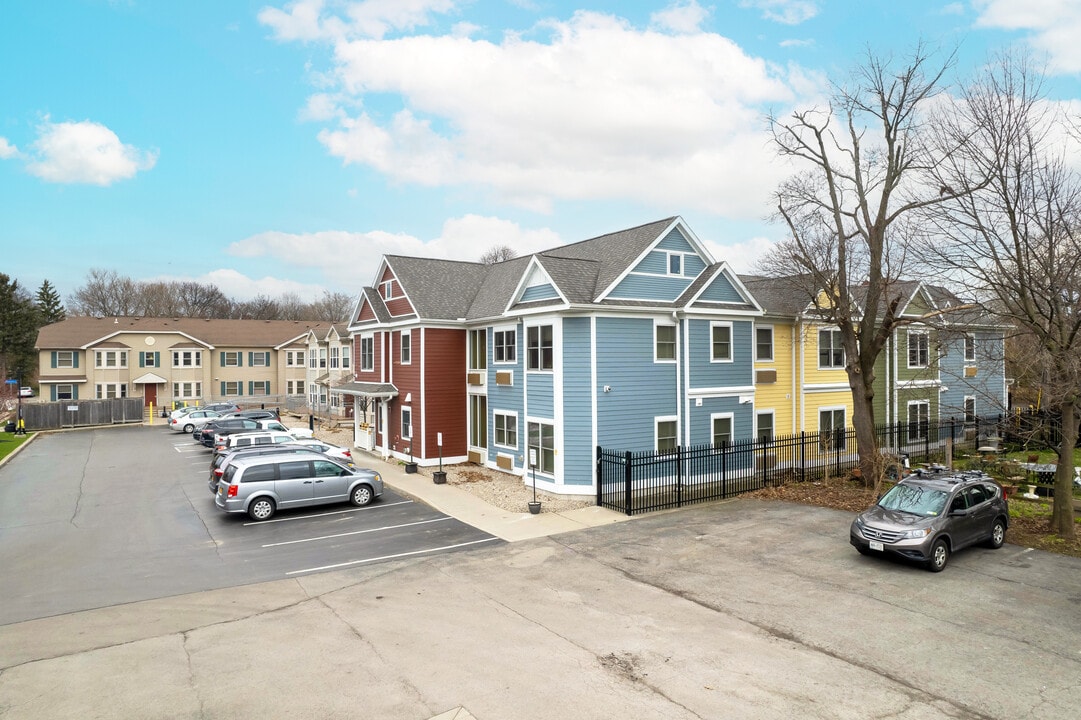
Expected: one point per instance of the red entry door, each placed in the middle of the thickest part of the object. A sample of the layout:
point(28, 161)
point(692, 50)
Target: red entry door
point(150, 394)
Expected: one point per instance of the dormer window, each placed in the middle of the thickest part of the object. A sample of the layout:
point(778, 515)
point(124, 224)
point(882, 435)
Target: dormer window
point(386, 289)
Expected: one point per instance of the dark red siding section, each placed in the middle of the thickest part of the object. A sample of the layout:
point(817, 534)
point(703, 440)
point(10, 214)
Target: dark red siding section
point(407, 379)
point(366, 312)
point(399, 307)
point(445, 391)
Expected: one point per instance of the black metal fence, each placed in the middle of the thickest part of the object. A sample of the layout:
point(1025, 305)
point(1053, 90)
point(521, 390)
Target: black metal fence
point(634, 482)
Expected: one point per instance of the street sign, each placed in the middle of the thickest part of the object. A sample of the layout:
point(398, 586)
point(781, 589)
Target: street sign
point(11, 382)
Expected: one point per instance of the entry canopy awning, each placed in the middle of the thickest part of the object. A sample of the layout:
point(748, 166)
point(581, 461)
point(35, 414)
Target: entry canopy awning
point(378, 391)
point(149, 379)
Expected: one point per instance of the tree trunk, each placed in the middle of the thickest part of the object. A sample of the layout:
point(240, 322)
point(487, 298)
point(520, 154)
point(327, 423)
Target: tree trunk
point(863, 420)
point(1062, 514)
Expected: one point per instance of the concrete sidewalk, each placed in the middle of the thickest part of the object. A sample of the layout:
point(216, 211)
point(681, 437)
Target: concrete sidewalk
point(469, 508)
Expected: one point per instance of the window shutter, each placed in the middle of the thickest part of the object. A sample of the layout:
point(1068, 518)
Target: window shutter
point(75, 360)
point(142, 359)
point(52, 389)
point(251, 387)
point(74, 392)
point(240, 359)
point(54, 364)
point(222, 361)
point(251, 358)
point(157, 359)
point(223, 389)
point(266, 361)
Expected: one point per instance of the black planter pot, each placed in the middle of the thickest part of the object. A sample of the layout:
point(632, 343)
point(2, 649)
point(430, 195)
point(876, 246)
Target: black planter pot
point(410, 468)
point(534, 507)
point(439, 477)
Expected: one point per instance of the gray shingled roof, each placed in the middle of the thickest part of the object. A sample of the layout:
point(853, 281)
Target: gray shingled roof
point(575, 278)
point(778, 296)
point(75, 332)
point(496, 290)
point(613, 252)
point(438, 289)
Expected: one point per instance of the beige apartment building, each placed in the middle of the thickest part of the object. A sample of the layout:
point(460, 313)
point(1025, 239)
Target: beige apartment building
point(167, 361)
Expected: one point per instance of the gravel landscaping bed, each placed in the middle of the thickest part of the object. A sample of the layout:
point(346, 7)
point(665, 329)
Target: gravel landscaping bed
point(502, 490)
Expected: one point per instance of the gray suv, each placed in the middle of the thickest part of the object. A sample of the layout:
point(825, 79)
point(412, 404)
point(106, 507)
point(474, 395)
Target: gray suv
point(260, 485)
point(928, 516)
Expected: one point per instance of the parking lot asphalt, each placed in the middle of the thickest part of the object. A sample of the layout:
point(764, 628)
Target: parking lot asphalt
point(738, 609)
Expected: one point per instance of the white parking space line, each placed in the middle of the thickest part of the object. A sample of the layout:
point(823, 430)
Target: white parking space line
point(327, 514)
point(357, 532)
point(388, 557)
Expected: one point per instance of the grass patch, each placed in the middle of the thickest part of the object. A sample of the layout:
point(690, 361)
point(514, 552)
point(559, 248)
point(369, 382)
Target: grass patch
point(10, 441)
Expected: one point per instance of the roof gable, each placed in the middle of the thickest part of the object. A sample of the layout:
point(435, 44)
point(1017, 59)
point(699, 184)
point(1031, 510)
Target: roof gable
point(664, 268)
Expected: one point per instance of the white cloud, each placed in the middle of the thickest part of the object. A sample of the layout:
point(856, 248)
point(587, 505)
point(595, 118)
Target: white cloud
point(242, 287)
point(1054, 26)
point(680, 17)
point(304, 19)
point(598, 109)
point(741, 256)
point(350, 260)
point(85, 152)
point(797, 43)
point(789, 12)
point(7, 150)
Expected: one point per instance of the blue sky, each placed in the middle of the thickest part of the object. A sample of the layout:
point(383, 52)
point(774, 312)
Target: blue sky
point(273, 147)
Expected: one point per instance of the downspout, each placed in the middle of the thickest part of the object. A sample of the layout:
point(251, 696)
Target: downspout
point(686, 402)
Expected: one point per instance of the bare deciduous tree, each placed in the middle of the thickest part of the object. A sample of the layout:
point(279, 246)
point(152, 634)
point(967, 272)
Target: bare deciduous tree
point(1016, 240)
point(497, 254)
point(850, 212)
point(332, 307)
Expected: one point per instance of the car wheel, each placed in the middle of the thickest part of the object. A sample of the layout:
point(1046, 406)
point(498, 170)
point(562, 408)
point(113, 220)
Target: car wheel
point(998, 535)
point(261, 509)
point(362, 495)
point(940, 555)
point(189, 428)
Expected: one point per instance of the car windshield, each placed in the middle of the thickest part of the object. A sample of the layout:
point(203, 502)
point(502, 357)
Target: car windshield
point(915, 500)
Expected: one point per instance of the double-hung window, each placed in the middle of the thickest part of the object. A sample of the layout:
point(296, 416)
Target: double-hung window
point(506, 429)
point(335, 357)
point(407, 423)
point(407, 347)
point(722, 430)
point(664, 343)
point(367, 354)
point(720, 342)
point(970, 348)
point(231, 359)
point(505, 346)
point(831, 351)
point(187, 358)
point(542, 446)
point(763, 343)
point(918, 349)
point(110, 358)
point(539, 349)
point(919, 417)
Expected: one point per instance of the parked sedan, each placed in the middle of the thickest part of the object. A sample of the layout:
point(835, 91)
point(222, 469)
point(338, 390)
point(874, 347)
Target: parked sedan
point(334, 451)
point(929, 516)
point(195, 419)
point(223, 426)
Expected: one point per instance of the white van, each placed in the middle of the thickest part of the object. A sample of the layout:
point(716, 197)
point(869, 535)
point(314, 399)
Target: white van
point(225, 443)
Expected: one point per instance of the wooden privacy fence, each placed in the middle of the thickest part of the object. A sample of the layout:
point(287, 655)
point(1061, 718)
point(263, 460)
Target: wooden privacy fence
point(80, 413)
point(639, 481)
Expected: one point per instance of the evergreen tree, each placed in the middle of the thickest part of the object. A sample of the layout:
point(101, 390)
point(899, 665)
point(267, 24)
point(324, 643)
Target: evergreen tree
point(50, 307)
point(18, 331)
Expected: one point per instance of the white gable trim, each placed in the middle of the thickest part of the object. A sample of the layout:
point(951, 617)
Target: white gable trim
point(726, 271)
point(534, 270)
point(695, 243)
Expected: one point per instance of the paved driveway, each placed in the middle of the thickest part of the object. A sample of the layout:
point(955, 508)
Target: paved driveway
point(100, 517)
point(732, 610)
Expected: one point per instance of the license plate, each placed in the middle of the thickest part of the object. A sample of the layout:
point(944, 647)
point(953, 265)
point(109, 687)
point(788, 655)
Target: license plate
point(875, 545)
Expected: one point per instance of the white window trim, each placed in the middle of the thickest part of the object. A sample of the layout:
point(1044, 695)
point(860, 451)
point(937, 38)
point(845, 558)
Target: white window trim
point(370, 337)
point(402, 335)
point(917, 403)
point(540, 348)
point(964, 406)
point(388, 289)
point(71, 359)
point(970, 338)
point(731, 342)
point(236, 363)
point(517, 429)
point(555, 448)
point(714, 417)
point(513, 330)
point(844, 356)
point(773, 424)
point(675, 343)
point(918, 333)
point(401, 421)
point(669, 254)
point(772, 344)
point(657, 420)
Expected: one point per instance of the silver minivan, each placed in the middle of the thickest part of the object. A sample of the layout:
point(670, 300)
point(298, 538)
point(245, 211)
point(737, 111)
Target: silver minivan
point(260, 485)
